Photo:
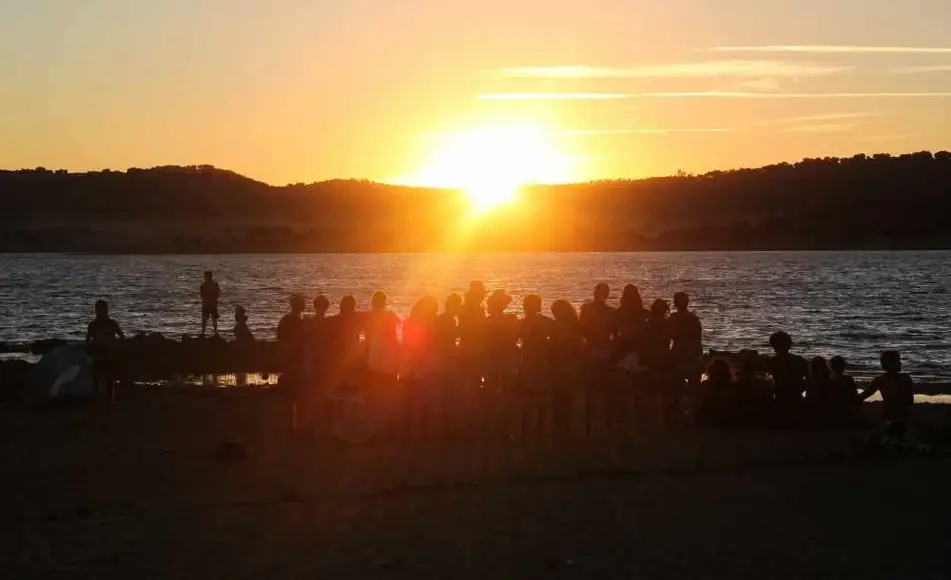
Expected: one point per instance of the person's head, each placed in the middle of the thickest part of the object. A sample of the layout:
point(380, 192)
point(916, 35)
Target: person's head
point(476, 293)
point(631, 297)
point(102, 308)
point(498, 301)
point(563, 311)
point(378, 301)
point(453, 304)
point(891, 361)
point(532, 305)
point(425, 309)
point(837, 364)
point(321, 305)
point(718, 371)
point(681, 300)
point(601, 292)
point(659, 309)
point(818, 368)
point(208, 275)
point(240, 316)
point(297, 304)
point(748, 363)
point(781, 342)
point(348, 304)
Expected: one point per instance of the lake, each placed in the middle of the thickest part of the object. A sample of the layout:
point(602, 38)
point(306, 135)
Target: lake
point(849, 303)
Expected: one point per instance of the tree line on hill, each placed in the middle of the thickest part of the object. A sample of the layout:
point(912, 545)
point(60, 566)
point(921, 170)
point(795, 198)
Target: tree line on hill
point(860, 202)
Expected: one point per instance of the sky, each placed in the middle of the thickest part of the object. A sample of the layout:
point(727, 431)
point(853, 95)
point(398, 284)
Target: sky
point(413, 91)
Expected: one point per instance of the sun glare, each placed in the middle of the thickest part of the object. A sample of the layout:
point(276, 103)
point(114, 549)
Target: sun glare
point(492, 164)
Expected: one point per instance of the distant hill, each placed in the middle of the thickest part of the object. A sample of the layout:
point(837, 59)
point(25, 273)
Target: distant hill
point(878, 201)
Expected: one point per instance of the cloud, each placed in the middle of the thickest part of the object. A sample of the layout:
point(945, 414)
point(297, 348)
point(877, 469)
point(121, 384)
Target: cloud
point(552, 96)
point(645, 131)
point(817, 118)
point(826, 128)
point(757, 95)
point(763, 85)
point(834, 49)
point(923, 69)
point(713, 68)
point(880, 138)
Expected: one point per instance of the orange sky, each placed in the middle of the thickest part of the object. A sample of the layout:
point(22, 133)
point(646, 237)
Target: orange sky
point(457, 91)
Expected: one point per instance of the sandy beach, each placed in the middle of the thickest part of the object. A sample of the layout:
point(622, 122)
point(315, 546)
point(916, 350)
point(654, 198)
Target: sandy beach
point(135, 491)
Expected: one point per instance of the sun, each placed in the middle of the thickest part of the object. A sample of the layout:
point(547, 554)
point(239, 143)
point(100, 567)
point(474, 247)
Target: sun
point(492, 164)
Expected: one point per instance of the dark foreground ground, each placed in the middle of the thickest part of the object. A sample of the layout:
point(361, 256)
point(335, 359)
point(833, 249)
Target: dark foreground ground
point(135, 493)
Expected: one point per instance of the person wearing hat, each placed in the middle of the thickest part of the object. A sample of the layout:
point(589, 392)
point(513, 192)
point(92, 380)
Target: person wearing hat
point(242, 334)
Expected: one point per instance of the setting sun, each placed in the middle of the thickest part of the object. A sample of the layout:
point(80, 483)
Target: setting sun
point(492, 164)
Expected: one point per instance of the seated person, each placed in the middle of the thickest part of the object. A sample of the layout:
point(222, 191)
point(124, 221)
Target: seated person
point(898, 394)
point(843, 394)
point(717, 401)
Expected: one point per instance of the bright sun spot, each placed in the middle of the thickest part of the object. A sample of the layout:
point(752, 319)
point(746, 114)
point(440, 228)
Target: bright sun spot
point(492, 164)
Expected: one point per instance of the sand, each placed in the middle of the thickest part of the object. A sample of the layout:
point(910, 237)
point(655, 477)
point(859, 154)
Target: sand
point(134, 491)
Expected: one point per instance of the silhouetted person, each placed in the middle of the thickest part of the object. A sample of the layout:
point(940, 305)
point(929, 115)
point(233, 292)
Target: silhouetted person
point(102, 336)
point(447, 332)
point(818, 390)
point(419, 370)
point(631, 320)
point(843, 394)
point(898, 394)
point(242, 334)
point(345, 357)
point(754, 395)
point(501, 362)
point(718, 401)
point(471, 334)
point(565, 344)
point(321, 306)
point(534, 375)
point(661, 376)
point(210, 293)
point(599, 327)
point(687, 334)
point(629, 343)
point(789, 373)
point(382, 341)
point(290, 337)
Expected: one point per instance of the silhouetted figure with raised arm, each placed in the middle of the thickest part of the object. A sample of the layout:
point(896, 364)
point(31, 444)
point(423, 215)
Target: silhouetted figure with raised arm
point(789, 373)
point(599, 327)
point(565, 344)
point(472, 335)
point(102, 336)
point(898, 396)
point(210, 294)
point(687, 346)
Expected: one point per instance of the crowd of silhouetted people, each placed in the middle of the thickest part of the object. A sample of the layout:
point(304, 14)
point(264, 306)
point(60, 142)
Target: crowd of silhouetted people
point(474, 366)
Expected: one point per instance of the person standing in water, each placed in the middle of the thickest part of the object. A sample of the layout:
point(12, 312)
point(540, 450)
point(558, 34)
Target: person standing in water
point(102, 335)
point(210, 293)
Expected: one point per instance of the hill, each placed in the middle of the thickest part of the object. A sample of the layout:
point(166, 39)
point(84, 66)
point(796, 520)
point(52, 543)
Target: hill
point(878, 201)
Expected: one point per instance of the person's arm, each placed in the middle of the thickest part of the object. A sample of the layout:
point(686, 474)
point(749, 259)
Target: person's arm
point(870, 390)
point(118, 330)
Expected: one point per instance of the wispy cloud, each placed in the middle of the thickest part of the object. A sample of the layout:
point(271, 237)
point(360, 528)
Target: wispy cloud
point(764, 85)
point(645, 131)
point(923, 69)
point(713, 68)
point(817, 118)
point(833, 49)
point(824, 128)
point(758, 95)
point(552, 96)
point(880, 138)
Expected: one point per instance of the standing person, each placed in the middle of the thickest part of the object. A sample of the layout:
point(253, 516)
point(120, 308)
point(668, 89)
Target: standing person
point(501, 362)
point(314, 353)
point(656, 356)
point(565, 342)
point(383, 358)
point(451, 397)
point(534, 373)
point(472, 335)
point(210, 293)
point(687, 347)
point(290, 335)
point(420, 366)
point(632, 324)
point(599, 329)
point(102, 336)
